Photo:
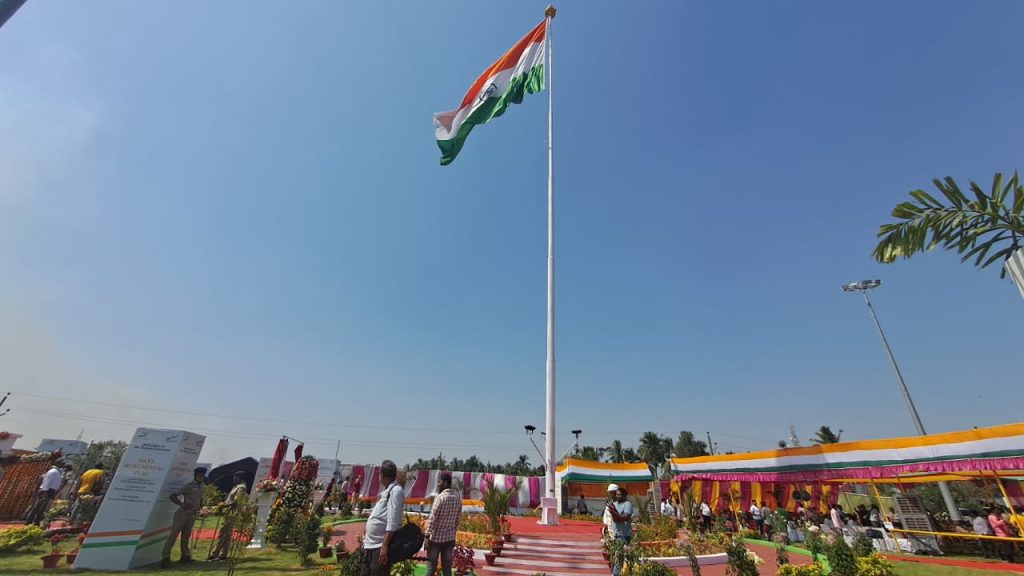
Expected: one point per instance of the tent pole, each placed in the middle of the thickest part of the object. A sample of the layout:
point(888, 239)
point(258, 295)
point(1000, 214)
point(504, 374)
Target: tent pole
point(1005, 495)
point(881, 505)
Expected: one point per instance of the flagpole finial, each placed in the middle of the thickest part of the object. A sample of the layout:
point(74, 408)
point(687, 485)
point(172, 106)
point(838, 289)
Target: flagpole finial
point(549, 12)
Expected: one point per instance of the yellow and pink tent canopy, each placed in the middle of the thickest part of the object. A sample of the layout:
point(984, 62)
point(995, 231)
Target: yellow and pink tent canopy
point(999, 449)
point(774, 475)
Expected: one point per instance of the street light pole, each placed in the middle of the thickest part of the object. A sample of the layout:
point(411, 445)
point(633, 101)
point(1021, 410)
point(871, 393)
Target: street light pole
point(863, 286)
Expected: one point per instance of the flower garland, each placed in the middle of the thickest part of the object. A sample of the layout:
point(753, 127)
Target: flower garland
point(292, 507)
point(268, 484)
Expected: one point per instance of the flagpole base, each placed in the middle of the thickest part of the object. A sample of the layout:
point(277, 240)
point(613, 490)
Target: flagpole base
point(548, 512)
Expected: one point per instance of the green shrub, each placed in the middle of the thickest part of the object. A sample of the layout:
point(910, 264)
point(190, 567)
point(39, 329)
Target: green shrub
point(862, 546)
point(12, 539)
point(661, 528)
point(351, 565)
point(875, 565)
point(815, 544)
point(306, 535)
point(212, 495)
point(280, 531)
point(742, 562)
point(814, 569)
point(841, 558)
point(345, 509)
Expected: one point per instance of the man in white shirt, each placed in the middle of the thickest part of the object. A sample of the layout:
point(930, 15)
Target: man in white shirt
point(667, 509)
point(608, 531)
point(755, 515)
point(385, 518)
point(981, 528)
point(51, 482)
point(705, 515)
point(837, 517)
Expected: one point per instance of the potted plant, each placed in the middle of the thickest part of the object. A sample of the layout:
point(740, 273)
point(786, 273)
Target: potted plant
point(489, 557)
point(341, 551)
point(462, 560)
point(53, 558)
point(496, 545)
point(72, 555)
point(326, 532)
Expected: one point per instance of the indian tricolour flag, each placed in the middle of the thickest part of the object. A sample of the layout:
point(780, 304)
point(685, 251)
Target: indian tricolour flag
point(519, 72)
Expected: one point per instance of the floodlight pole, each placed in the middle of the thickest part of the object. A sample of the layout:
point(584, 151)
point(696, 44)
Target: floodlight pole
point(863, 287)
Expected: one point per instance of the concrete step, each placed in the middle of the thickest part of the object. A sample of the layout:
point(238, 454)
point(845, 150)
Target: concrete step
point(541, 554)
point(505, 571)
point(575, 551)
point(562, 563)
point(531, 541)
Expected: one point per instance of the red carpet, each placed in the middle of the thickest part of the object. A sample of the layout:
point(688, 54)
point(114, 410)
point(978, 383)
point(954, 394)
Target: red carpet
point(528, 525)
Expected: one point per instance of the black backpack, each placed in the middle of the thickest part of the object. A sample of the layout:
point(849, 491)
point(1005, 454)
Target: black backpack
point(406, 541)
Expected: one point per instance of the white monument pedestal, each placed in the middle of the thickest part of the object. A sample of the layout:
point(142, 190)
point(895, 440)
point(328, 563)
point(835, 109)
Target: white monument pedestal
point(549, 511)
point(134, 519)
point(264, 501)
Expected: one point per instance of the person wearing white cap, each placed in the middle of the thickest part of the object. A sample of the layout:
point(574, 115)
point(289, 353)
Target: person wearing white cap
point(609, 524)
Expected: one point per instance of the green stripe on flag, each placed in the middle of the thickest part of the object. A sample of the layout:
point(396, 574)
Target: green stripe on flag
point(529, 83)
point(151, 542)
point(851, 464)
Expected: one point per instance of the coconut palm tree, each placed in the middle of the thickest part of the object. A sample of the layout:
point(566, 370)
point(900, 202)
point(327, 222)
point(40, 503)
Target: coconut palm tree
point(987, 228)
point(589, 453)
point(825, 435)
point(654, 449)
point(615, 453)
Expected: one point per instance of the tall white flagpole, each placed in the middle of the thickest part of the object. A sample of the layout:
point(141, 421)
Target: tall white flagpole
point(550, 507)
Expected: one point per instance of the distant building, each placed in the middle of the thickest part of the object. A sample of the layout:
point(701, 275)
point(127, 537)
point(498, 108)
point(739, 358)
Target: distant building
point(7, 440)
point(66, 447)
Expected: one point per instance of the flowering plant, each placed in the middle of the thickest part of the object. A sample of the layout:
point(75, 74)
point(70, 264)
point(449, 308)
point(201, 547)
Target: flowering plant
point(462, 559)
point(305, 469)
point(268, 484)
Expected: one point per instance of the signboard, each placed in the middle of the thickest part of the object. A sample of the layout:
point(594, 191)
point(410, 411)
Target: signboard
point(264, 468)
point(134, 519)
point(325, 473)
point(66, 447)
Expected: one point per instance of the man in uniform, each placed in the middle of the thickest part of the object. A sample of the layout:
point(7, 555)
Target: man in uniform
point(227, 527)
point(189, 499)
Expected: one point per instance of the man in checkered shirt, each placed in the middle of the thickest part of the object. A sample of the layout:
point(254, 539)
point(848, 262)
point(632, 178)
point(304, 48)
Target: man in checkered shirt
point(445, 513)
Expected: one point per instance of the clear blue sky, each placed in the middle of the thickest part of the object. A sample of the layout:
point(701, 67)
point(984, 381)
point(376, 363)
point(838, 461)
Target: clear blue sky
point(236, 208)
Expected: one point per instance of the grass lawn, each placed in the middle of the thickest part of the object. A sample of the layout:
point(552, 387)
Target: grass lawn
point(268, 561)
point(915, 569)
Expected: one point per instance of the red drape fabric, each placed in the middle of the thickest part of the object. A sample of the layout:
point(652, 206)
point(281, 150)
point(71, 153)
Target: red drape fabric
point(279, 453)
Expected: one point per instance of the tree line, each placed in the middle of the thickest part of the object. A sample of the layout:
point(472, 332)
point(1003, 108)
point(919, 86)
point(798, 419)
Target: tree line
point(652, 449)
